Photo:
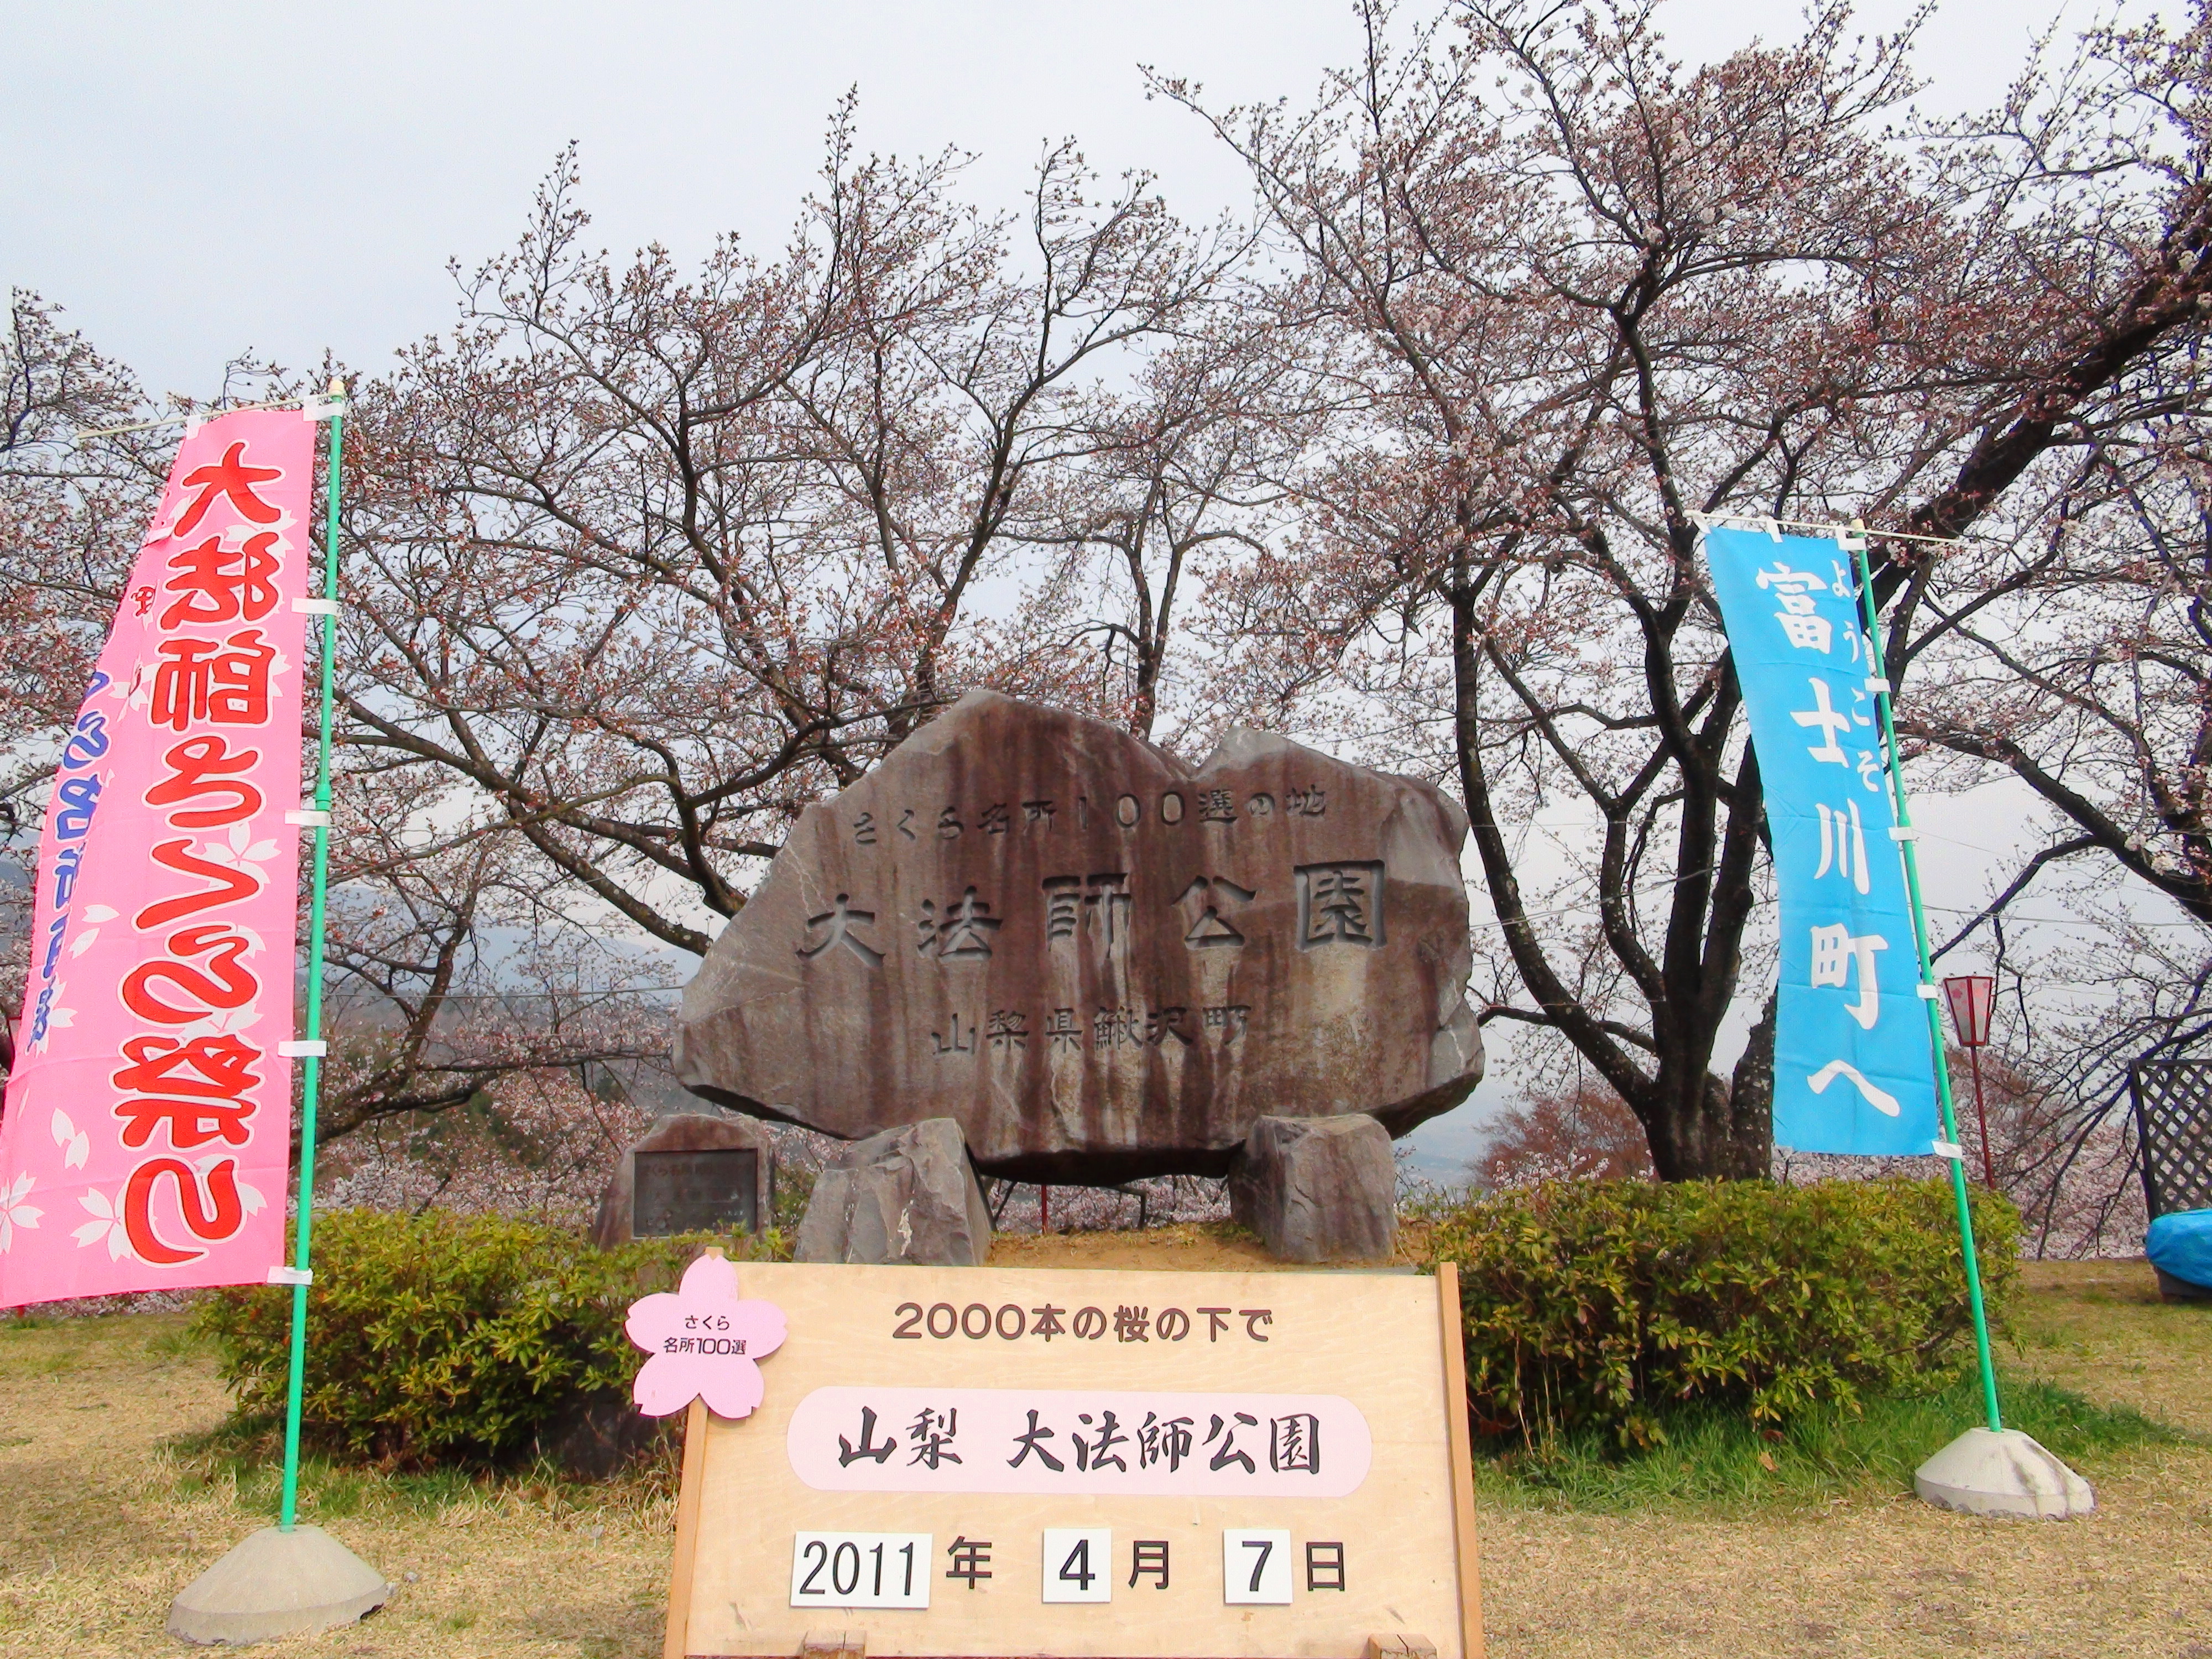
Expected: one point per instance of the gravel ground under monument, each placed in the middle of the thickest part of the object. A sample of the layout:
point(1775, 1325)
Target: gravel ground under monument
point(101, 1521)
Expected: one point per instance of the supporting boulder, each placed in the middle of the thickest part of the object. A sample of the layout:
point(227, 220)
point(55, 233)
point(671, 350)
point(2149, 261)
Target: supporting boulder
point(905, 1195)
point(1318, 1188)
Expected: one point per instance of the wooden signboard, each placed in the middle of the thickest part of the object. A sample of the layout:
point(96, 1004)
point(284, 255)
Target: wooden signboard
point(978, 1462)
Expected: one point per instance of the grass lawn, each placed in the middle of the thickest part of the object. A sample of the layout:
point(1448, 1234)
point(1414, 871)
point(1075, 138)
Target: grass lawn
point(117, 1487)
point(1688, 1550)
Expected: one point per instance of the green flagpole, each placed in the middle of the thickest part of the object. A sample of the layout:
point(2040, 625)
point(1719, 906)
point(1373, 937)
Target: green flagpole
point(1855, 543)
point(311, 1075)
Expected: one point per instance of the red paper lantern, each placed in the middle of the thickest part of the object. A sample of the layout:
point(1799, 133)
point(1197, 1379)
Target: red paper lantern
point(1973, 998)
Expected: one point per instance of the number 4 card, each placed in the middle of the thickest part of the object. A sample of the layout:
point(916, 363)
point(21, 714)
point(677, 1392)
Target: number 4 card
point(1078, 1563)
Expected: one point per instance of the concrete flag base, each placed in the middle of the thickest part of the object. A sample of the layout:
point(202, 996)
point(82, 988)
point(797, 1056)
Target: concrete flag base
point(278, 1583)
point(1989, 1472)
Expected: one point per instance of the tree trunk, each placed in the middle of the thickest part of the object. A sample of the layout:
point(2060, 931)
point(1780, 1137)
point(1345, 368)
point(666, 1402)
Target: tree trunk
point(1705, 1129)
point(1751, 1101)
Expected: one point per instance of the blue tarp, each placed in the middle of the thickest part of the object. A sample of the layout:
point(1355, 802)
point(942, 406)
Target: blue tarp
point(2181, 1244)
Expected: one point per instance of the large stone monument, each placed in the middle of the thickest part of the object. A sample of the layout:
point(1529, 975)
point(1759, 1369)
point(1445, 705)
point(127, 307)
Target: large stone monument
point(1100, 962)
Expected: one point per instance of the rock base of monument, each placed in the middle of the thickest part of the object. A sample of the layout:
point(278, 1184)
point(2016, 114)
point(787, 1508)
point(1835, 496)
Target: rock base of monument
point(278, 1583)
point(1318, 1188)
point(905, 1195)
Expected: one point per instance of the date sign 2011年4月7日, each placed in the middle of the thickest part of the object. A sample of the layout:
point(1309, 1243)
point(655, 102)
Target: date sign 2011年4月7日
point(962, 1461)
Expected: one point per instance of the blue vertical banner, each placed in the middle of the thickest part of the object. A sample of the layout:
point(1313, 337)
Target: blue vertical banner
point(1853, 1071)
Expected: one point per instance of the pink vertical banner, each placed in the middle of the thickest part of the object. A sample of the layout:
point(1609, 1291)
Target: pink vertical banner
point(146, 1143)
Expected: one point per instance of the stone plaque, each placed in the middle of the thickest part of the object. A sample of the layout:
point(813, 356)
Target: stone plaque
point(695, 1191)
point(691, 1172)
point(1101, 961)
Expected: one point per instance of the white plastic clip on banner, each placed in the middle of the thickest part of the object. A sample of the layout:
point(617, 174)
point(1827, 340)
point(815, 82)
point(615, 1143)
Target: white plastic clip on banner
point(1929, 993)
point(309, 818)
point(1877, 683)
point(327, 407)
point(291, 1275)
point(1903, 832)
point(1950, 1149)
point(316, 607)
point(304, 1049)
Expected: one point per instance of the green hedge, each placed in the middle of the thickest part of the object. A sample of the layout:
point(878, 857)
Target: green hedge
point(1606, 1303)
point(445, 1339)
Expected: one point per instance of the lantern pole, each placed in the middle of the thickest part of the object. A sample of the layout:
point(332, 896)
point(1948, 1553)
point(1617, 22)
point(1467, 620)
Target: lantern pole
point(1982, 1117)
point(1972, 997)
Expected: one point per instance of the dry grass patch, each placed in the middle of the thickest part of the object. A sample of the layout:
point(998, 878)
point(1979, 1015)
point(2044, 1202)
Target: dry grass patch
point(119, 1489)
point(2099, 1328)
point(1884, 1577)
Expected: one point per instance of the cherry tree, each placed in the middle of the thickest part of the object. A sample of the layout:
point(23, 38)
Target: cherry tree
point(1582, 296)
point(641, 561)
point(1582, 1133)
point(645, 563)
point(83, 454)
point(72, 509)
point(2062, 646)
point(1184, 475)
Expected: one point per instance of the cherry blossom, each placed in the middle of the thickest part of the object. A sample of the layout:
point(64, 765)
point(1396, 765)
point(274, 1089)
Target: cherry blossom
point(93, 917)
point(239, 849)
point(106, 1225)
point(704, 1342)
point(67, 1134)
point(15, 1213)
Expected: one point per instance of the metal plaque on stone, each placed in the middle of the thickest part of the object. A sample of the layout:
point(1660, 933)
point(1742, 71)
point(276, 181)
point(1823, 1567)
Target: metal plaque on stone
point(691, 1172)
point(695, 1192)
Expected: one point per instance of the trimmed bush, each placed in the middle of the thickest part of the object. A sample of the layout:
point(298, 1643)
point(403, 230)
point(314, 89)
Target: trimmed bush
point(1602, 1304)
point(442, 1337)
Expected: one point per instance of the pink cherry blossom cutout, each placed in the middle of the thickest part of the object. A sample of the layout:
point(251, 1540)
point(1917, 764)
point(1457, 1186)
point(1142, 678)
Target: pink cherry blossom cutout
point(704, 1341)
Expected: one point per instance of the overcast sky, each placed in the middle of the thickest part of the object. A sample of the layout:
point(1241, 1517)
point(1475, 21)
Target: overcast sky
point(194, 180)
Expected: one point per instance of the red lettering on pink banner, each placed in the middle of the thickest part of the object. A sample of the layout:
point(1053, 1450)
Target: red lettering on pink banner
point(209, 1204)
